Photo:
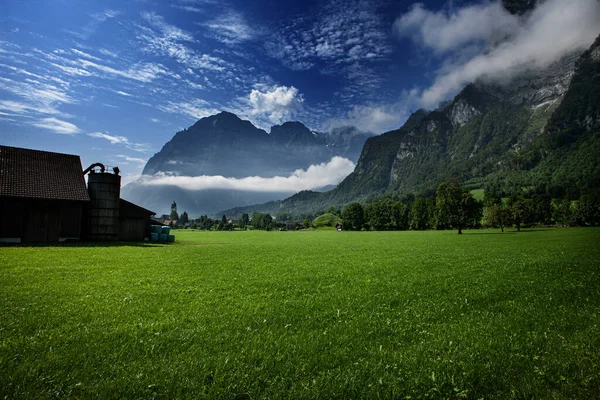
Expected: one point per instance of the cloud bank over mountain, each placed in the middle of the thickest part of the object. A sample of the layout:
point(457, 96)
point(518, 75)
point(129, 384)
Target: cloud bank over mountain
point(314, 177)
point(484, 41)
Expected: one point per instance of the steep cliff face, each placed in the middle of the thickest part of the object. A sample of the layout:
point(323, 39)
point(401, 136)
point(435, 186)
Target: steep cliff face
point(347, 141)
point(580, 109)
point(488, 128)
point(571, 139)
point(536, 88)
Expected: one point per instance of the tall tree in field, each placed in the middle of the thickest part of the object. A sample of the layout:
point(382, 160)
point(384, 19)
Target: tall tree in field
point(517, 210)
point(184, 217)
point(494, 212)
point(431, 217)
point(306, 223)
point(354, 217)
point(496, 215)
point(174, 214)
point(400, 214)
point(419, 216)
point(455, 205)
point(262, 221)
point(379, 216)
point(562, 213)
point(334, 210)
point(244, 221)
point(588, 209)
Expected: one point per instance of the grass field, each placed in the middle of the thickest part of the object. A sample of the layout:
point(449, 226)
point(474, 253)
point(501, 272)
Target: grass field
point(320, 315)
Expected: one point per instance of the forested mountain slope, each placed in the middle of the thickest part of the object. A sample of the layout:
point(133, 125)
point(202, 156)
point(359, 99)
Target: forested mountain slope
point(538, 132)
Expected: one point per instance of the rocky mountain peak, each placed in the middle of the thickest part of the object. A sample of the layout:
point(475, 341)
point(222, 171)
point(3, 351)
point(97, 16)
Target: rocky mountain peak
point(209, 146)
point(226, 121)
point(461, 112)
point(293, 133)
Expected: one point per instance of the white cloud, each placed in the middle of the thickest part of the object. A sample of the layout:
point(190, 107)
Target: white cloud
point(168, 40)
point(131, 159)
point(57, 126)
point(377, 118)
point(109, 53)
point(445, 31)
point(110, 138)
point(276, 103)
point(340, 32)
point(188, 8)
point(141, 72)
point(40, 98)
point(513, 44)
point(144, 72)
point(15, 107)
point(192, 5)
point(170, 32)
point(196, 109)
point(122, 140)
point(90, 27)
point(315, 176)
point(230, 28)
point(104, 15)
point(73, 71)
point(84, 54)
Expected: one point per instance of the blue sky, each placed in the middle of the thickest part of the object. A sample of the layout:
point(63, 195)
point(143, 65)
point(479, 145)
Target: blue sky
point(113, 81)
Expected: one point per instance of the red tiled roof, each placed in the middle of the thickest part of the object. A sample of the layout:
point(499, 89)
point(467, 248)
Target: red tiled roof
point(41, 174)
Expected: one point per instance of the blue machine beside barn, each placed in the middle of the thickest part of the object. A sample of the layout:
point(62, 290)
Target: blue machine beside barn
point(161, 233)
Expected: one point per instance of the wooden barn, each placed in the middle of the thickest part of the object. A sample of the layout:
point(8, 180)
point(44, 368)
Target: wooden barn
point(134, 221)
point(44, 198)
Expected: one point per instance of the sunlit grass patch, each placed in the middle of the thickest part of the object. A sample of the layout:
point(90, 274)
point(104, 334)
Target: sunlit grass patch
point(307, 314)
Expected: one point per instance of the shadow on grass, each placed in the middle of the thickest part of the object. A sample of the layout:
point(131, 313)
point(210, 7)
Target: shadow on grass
point(86, 244)
point(506, 232)
point(490, 233)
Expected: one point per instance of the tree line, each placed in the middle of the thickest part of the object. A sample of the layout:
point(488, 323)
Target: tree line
point(454, 207)
point(451, 206)
point(258, 221)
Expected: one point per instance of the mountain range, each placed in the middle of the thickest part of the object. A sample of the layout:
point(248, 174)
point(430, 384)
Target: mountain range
point(227, 146)
point(539, 131)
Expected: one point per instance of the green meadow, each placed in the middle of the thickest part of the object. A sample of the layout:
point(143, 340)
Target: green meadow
point(306, 314)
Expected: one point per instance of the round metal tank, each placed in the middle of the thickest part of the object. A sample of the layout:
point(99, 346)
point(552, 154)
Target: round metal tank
point(103, 217)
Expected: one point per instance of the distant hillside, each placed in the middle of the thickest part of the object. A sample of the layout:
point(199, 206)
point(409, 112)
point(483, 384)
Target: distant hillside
point(225, 145)
point(539, 131)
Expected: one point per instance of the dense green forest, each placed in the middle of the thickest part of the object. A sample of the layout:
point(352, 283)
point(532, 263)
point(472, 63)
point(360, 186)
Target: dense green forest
point(451, 206)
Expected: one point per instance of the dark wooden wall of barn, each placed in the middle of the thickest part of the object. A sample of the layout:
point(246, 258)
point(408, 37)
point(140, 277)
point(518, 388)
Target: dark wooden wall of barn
point(41, 220)
point(134, 222)
point(133, 229)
